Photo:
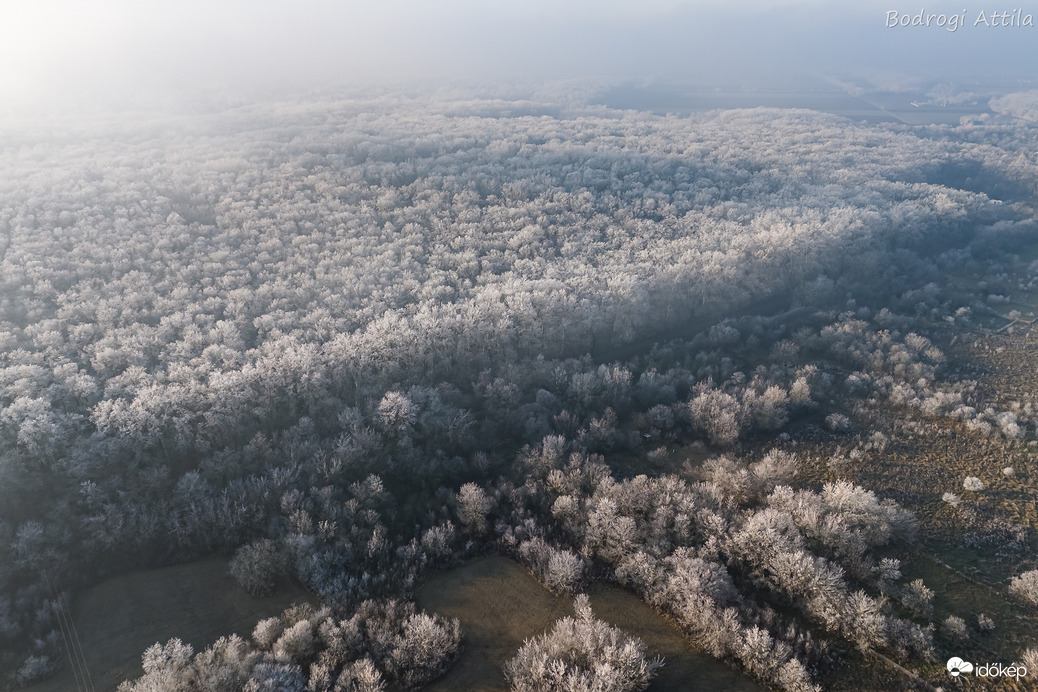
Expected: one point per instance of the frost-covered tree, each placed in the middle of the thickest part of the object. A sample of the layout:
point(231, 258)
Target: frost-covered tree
point(167, 668)
point(258, 566)
point(582, 654)
point(425, 649)
point(1025, 586)
point(955, 628)
point(473, 507)
point(718, 414)
point(560, 570)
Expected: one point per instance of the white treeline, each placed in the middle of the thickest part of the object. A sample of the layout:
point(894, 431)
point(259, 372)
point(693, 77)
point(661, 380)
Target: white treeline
point(312, 335)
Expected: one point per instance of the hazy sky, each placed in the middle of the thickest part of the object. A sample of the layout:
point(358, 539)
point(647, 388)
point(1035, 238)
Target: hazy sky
point(59, 48)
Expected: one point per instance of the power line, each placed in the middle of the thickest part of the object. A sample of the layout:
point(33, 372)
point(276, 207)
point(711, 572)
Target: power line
point(62, 627)
point(77, 645)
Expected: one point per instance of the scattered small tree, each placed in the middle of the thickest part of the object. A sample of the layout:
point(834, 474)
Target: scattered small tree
point(955, 628)
point(918, 598)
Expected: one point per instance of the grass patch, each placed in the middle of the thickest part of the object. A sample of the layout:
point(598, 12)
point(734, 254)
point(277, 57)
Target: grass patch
point(500, 605)
point(197, 602)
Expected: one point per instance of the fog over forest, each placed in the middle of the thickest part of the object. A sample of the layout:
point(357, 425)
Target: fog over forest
point(347, 296)
point(116, 52)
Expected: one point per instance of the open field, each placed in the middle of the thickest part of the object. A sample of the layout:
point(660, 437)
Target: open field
point(500, 604)
point(197, 602)
point(909, 108)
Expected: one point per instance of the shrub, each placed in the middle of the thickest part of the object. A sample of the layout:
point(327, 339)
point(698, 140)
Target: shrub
point(1030, 660)
point(425, 649)
point(226, 665)
point(360, 676)
point(718, 414)
point(267, 632)
point(438, 541)
point(918, 598)
point(1026, 587)
point(276, 677)
point(837, 423)
point(295, 643)
point(581, 654)
point(559, 570)
point(955, 628)
point(973, 483)
point(34, 668)
point(167, 668)
point(258, 566)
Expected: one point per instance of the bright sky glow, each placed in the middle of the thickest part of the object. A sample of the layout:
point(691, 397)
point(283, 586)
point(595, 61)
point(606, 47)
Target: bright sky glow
point(56, 50)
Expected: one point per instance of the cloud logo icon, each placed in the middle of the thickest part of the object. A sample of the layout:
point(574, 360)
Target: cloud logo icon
point(956, 666)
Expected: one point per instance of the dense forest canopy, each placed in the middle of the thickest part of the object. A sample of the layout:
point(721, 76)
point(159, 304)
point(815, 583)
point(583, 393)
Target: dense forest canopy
point(263, 323)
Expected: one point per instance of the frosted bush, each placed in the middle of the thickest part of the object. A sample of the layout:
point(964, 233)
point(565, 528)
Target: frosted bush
point(918, 598)
point(360, 676)
point(660, 416)
point(565, 570)
point(1030, 660)
point(955, 628)
point(34, 668)
point(437, 540)
point(973, 483)
point(1026, 586)
point(473, 507)
point(267, 632)
point(425, 649)
point(258, 566)
point(581, 654)
point(559, 570)
point(276, 677)
point(295, 642)
point(837, 422)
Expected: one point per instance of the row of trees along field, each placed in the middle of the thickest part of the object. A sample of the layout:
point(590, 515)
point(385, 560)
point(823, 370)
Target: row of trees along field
point(317, 335)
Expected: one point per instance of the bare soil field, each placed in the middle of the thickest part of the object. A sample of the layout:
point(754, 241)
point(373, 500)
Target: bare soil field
point(500, 605)
point(197, 602)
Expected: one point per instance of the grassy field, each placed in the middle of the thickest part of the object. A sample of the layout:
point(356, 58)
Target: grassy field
point(197, 602)
point(500, 604)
